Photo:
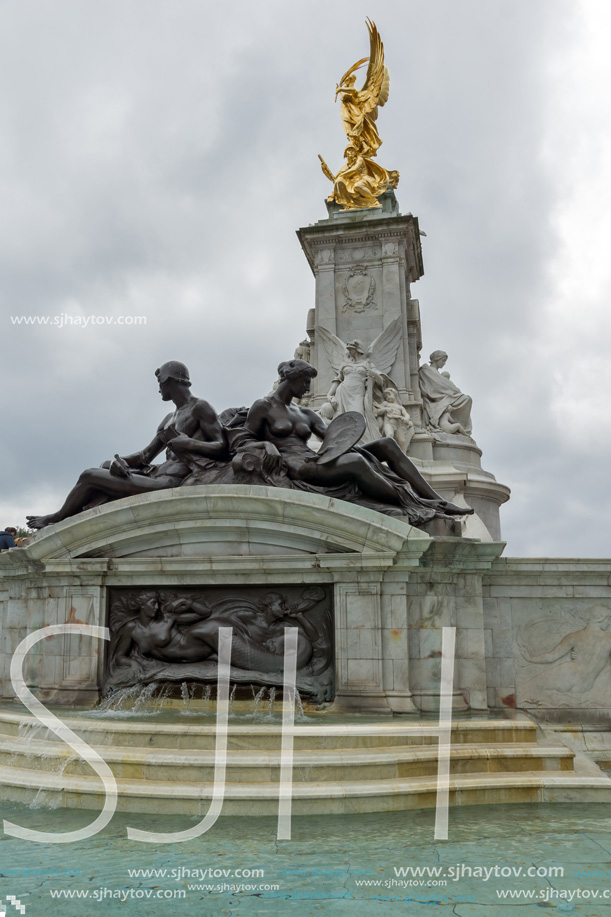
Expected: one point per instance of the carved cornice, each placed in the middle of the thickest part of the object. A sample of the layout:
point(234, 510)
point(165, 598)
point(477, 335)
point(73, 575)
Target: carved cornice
point(339, 236)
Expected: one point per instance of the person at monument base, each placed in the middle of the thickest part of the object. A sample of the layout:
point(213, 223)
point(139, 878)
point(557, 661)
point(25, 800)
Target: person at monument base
point(7, 539)
point(192, 435)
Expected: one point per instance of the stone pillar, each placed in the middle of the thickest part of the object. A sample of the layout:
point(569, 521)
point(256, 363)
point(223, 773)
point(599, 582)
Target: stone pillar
point(358, 651)
point(65, 669)
point(395, 648)
point(363, 262)
point(447, 592)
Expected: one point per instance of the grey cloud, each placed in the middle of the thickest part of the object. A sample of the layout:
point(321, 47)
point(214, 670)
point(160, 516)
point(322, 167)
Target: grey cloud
point(159, 165)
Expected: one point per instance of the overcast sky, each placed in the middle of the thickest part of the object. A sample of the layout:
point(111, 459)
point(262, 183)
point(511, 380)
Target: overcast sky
point(156, 159)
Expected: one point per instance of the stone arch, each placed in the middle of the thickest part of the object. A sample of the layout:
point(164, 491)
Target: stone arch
point(222, 520)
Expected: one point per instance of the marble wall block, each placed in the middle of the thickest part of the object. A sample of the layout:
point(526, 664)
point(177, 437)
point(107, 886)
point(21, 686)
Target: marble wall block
point(549, 624)
point(530, 633)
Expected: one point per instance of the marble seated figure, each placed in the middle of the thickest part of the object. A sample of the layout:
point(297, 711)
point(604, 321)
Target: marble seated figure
point(446, 408)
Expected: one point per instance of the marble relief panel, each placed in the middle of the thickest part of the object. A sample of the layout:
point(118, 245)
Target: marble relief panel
point(562, 657)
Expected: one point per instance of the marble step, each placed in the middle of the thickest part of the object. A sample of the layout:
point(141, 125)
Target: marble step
point(314, 765)
point(182, 734)
point(345, 797)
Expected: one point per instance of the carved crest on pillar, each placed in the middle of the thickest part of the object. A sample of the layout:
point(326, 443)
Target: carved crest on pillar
point(324, 256)
point(359, 290)
point(390, 249)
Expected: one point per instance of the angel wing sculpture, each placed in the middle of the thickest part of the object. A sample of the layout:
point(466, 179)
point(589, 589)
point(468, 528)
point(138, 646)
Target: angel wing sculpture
point(360, 182)
point(361, 374)
point(359, 107)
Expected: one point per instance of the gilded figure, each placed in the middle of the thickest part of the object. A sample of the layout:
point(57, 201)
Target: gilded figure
point(360, 182)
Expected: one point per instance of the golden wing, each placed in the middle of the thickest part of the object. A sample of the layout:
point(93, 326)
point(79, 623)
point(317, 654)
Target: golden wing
point(352, 70)
point(377, 82)
point(350, 113)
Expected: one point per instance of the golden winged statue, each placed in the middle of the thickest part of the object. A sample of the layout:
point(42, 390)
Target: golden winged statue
point(360, 182)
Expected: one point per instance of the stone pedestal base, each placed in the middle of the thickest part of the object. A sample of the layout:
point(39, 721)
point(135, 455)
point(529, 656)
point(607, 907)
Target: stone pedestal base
point(428, 701)
point(453, 468)
point(391, 587)
point(373, 703)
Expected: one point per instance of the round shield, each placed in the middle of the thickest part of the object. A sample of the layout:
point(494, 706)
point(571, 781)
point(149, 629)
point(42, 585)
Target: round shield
point(342, 434)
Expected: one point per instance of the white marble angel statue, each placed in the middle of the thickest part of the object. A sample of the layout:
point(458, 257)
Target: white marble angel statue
point(360, 374)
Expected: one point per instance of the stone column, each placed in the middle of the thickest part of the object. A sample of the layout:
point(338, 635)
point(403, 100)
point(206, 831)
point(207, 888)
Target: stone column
point(447, 592)
point(324, 313)
point(364, 262)
point(358, 651)
point(395, 648)
point(65, 669)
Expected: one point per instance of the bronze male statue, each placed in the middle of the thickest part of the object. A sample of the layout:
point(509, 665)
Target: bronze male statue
point(192, 434)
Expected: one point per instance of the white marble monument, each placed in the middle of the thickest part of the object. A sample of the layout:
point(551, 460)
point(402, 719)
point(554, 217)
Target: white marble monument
point(365, 337)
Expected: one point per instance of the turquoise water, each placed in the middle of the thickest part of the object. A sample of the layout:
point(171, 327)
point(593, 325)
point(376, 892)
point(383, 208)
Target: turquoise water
point(319, 870)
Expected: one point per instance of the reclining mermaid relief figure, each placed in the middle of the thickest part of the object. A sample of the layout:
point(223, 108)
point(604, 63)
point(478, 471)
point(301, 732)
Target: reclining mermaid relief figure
point(164, 635)
point(185, 629)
